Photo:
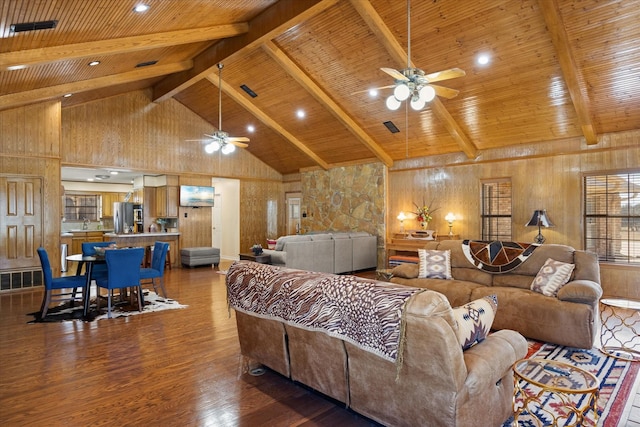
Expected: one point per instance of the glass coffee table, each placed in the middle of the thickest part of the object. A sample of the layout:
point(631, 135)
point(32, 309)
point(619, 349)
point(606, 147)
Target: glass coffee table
point(553, 391)
point(620, 328)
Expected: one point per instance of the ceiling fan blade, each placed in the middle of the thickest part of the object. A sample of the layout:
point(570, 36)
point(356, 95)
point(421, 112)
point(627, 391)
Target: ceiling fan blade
point(373, 88)
point(237, 139)
point(445, 92)
point(451, 73)
point(395, 74)
point(237, 143)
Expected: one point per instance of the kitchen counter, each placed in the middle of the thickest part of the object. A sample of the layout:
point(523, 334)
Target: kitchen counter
point(138, 235)
point(146, 240)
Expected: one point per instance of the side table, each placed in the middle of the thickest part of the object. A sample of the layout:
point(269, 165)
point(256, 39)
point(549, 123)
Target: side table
point(262, 258)
point(620, 328)
point(546, 379)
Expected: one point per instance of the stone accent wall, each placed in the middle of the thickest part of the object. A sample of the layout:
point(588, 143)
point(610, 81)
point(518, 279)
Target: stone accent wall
point(350, 198)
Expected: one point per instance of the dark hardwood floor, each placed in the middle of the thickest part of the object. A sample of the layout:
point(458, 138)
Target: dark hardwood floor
point(170, 368)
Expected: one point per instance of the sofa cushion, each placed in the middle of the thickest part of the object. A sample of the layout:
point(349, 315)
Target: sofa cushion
point(323, 236)
point(434, 264)
point(475, 275)
point(406, 270)
point(474, 320)
point(552, 276)
point(513, 280)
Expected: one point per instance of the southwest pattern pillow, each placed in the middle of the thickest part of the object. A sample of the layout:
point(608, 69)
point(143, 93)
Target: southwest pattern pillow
point(434, 264)
point(474, 320)
point(552, 276)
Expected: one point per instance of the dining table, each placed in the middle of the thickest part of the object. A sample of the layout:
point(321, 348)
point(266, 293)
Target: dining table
point(90, 261)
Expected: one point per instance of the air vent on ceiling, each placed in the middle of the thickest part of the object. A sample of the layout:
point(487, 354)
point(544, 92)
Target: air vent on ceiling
point(32, 26)
point(146, 64)
point(249, 91)
point(392, 128)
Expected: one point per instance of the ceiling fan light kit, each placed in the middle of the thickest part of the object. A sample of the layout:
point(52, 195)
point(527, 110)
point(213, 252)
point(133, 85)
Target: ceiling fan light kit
point(413, 84)
point(220, 140)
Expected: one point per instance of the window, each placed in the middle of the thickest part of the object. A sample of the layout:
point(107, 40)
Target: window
point(612, 216)
point(496, 210)
point(80, 207)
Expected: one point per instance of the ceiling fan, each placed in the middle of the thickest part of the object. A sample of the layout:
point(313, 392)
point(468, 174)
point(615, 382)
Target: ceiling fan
point(220, 140)
point(414, 84)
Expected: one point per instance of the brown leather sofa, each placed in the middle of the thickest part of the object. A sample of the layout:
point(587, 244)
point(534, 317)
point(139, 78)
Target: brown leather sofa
point(435, 384)
point(570, 319)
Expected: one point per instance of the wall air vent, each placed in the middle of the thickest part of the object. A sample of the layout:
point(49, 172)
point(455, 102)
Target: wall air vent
point(32, 26)
point(392, 128)
point(146, 64)
point(249, 91)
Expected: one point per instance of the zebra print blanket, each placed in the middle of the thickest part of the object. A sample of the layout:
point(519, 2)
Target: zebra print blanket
point(364, 312)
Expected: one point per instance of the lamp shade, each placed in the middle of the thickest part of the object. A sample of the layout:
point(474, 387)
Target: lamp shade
point(538, 218)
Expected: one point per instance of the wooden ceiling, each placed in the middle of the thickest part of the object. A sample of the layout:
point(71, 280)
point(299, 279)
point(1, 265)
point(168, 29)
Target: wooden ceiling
point(557, 69)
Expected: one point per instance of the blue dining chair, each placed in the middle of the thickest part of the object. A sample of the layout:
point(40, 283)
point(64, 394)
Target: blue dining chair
point(67, 286)
point(123, 271)
point(156, 272)
point(88, 250)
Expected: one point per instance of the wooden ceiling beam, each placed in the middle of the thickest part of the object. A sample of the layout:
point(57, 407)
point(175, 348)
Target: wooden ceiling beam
point(268, 121)
point(120, 45)
point(45, 93)
point(380, 29)
point(321, 96)
point(571, 72)
point(275, 20)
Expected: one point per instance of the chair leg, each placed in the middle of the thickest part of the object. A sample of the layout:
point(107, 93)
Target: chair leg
point(164, 291)
point(46, 300)
point(140, 298)
point(109, 303)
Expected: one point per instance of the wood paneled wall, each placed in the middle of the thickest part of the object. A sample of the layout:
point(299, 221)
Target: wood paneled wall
point(257, 198)
point(548, 176)
point(130, 131)
point(30, 146)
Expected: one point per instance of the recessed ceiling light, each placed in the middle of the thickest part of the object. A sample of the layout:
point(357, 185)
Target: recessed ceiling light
point(300, 114)
point(16, 67)
point(251, 128)
point(89, 179)
point(114, 172)
point(373, 93)
point(141, 8)
point(67, 95)
point(483, 59)
point(93, 63)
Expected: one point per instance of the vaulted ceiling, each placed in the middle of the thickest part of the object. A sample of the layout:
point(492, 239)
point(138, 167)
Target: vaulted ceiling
point(557, 69)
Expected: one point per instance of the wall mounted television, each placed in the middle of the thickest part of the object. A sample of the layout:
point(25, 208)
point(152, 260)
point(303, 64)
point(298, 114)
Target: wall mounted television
point(196, 196)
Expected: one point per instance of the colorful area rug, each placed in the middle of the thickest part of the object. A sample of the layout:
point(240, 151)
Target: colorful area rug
point(496, 256)
point(617, 379)
point(61, 313)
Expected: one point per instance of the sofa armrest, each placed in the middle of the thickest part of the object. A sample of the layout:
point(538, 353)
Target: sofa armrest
point(582, 291)
point(488, 361)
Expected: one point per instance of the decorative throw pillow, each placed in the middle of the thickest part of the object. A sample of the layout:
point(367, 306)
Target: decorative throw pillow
point(434, 264)
point(552, 276)
point(474, 320)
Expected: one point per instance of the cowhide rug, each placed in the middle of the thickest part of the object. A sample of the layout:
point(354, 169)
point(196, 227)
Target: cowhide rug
point(63, 312)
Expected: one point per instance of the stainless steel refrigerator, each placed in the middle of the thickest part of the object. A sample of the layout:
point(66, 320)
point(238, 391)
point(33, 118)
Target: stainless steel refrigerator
point(123, 222)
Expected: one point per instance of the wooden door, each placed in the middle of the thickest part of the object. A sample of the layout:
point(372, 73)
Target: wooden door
point(20, 221)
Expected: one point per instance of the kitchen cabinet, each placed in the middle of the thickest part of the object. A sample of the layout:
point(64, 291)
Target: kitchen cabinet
point(84, 236)
point(108, 199)
point(167, 201)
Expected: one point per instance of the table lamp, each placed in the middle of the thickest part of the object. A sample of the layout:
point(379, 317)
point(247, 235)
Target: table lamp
point(539, 218)
point(401, 218)
point(450, 218)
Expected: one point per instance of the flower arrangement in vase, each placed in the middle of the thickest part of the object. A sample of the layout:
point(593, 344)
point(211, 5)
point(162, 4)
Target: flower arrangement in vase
point(423, 214)
point(256, 249)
